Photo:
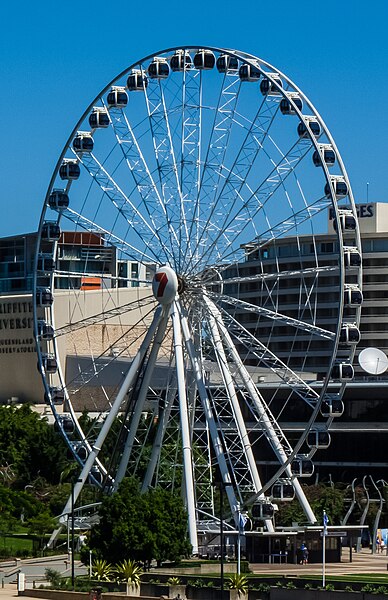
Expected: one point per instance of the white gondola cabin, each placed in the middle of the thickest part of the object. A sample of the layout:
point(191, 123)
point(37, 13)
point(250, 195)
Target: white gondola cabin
point(352, 257)
point(49, 363)
point(302, 466)
point(117, 97)
point(325, 154)
point(180, 61)
point(99, 118)
point(308, 128)
point(332, 407)
point(137, 80)
point(249, 72)
point(340, 188)
point(349, 334)
point(318, 439)
point(352, 296)
point(204, 60)
point(289, 105)
point(58, 199)
point(283, 491)
point(44, 297)
point(342, 372)
point(226, 62)
point(45, 330)
point(65, 423)
point(83, 142)
point(69, 169)
point(268, 87)
point(159, 68)
point(51, 231)
point(262, 510)
point(55, 395)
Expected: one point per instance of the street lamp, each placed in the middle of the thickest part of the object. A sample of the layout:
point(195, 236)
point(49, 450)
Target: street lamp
point(218, 482)
point(72, 533)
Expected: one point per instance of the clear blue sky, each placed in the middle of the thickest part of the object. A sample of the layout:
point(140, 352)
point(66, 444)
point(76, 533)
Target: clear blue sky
point(56, 57)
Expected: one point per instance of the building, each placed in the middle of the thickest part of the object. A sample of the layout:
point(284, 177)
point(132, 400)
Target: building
point(83, 257)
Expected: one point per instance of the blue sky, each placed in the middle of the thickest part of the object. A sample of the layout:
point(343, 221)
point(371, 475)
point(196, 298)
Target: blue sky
point(57, 56)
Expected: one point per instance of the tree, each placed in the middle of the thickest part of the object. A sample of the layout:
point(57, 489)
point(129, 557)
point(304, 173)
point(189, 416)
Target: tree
point(30, 446)
point(141, 527)
point(321, 497)
point(40, 525)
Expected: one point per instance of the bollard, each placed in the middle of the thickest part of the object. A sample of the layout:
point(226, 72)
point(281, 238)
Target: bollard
point(21, 583)
point(2, 582)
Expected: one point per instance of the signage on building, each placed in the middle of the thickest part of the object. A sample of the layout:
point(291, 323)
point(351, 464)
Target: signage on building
point(363, 211)
point(16, 326)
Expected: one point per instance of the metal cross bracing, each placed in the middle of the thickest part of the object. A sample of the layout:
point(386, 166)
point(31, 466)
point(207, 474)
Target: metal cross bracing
point(235, 223)
point(269, 359)
point(147, 226)
point(276, 316)
point(167, 159)
point(217, 231)
point(213, 161)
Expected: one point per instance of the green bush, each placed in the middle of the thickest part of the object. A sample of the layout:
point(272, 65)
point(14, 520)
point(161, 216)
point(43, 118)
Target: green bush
point(53, 577)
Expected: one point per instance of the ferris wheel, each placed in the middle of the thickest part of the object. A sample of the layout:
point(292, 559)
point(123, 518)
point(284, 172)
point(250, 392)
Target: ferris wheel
point(187, 294)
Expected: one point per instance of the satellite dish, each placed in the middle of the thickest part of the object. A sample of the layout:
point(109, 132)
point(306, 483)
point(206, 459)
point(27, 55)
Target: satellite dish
point(373, 361)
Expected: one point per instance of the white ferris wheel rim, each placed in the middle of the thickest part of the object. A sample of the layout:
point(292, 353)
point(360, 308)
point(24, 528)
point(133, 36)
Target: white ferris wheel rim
point(197, 243)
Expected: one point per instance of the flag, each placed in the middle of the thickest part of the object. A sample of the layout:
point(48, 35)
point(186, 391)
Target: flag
point(325, 522)
point(242, 519)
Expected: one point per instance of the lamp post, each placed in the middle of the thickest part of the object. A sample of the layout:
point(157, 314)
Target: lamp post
point(72, 533)
point(222, 534)
point(218, 483)
point(72, 536)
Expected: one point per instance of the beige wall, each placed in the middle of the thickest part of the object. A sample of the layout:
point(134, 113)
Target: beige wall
point(18, 362)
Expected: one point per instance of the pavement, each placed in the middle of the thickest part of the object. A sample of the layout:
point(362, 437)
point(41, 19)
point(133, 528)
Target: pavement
point(362, 562)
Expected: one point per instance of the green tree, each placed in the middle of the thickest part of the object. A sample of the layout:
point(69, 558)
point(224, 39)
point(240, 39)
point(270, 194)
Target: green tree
point(140, 527)
point(41, 525)
point(29, 446)
point(321, 497)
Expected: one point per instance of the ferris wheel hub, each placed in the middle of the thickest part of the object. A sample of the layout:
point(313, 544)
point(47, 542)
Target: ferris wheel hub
point(165, 285)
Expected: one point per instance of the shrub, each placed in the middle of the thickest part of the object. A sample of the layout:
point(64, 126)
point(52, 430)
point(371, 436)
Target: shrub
point(329, 587)
point(102, 570)
point(237, 581)
point(173, 581)
point(290, 585)
point(53, 577)
point(129, 571)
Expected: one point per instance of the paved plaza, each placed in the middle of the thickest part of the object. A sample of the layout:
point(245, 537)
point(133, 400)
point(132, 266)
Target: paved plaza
point(362, 562)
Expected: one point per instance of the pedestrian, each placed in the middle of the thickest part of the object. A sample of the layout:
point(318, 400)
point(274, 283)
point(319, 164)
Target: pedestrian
point(378, 542)
point(304, 553)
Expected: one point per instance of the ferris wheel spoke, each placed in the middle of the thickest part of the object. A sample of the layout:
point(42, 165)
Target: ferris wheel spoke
point(147, 233)
point(243, 459)
point(269, 359)
point(226, 233)
point(153, 201)
point(234, 177)
point(131, 374)
point(215, 154)
point(103, 316)
point(109, 237)
point(141, 397)
point(280, 319)
point(166, 162)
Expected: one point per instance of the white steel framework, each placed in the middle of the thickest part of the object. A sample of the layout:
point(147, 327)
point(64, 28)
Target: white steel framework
point(201, 164)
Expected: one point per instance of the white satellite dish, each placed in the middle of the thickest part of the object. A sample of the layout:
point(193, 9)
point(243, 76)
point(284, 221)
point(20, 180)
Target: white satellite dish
point(373, 361)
